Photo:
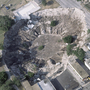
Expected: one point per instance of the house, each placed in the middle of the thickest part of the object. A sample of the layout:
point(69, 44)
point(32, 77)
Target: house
point(26, 10)
point(78, 69)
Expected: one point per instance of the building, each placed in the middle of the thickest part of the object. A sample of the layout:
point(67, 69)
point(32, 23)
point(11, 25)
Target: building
point(42, 85)
point(87, 63)
point(78, 69)
point(65, 81)
point(25, 11)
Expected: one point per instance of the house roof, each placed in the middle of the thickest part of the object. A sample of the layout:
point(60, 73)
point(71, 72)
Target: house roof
point(79, 70)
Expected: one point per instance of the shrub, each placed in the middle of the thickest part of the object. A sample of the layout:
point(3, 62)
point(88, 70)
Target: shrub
point(17, 82)
point(68, 39)
point(6, 23)
point(44, 2)
point(80, 53)
point(1, 46)
point(53, 23)
point(30, 74)
point(13, 9)
point(41, 47)
point(88, 31)
point(7, 85)
point(69, 49)
point(3, 77)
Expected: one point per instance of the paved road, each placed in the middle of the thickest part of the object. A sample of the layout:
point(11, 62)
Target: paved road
point(75, 4)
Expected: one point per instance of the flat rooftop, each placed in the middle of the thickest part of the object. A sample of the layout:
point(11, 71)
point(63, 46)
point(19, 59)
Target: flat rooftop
point(65, 81)
point(79, 70)
point(26, 10)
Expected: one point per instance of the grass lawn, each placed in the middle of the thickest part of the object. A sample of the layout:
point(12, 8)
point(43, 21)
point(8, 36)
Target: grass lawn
point(1, 36)
point(49, 4)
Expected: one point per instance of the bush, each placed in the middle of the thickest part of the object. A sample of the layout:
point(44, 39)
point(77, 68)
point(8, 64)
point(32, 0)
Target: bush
point(68, 39)
point(88, 31)
point(1, 46)
point(7, 85)
point(3, 77)
point(44, 2)
point(53, 23)
point(30, 74)
point(80, 53)
point(69, 49)
point(6, 23)
point(41, 47)
point(13, 9)
point(17, 82)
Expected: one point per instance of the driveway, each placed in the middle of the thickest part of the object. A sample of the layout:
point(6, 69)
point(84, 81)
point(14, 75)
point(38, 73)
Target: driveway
point(75, 4)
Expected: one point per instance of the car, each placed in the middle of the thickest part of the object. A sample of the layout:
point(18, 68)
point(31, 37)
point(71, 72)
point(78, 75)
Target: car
point(7, 7)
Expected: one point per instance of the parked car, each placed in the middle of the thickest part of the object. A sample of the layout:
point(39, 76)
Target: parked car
point(7, 7)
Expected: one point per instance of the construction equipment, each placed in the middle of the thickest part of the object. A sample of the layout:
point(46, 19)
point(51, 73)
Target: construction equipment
point(86, 79)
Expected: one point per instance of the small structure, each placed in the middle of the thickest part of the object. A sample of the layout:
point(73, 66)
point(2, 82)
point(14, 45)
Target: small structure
point(78, 69)
point(26, 10)
point(42, 85)
point(46, 85)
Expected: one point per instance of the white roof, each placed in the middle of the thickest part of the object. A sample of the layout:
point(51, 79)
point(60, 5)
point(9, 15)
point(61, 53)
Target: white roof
point(46, 86)
point(26, 10)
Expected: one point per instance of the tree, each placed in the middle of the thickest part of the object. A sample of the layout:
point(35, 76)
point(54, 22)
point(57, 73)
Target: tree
point(3, 77)
point(5, 23)
point(41, 47)
point(80, 53)
point(68, 39)
point(44, 2)
point(53, 23)
point(69, 49)
point(8, 85)
point(17, 82)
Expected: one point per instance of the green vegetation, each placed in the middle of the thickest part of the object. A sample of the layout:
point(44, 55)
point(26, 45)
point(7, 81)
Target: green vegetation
point(44, 2)
point(1, 46)
point(68, 39)
point(5, 23)
point(25, 45)
point(13, 9)
point(78, 0)
point(30, 74)
point(7, 86)
point(87, 6)
point(88, 31)
point(3, 77)
point(80, 53)
point(17, 82)
point(69, 49)
point(41, 47)
point(53, 23)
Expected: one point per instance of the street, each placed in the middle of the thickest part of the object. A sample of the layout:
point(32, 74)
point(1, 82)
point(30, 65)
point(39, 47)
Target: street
point(75, 4)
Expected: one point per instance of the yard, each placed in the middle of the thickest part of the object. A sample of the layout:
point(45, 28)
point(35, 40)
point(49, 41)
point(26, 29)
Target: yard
point(15, 4)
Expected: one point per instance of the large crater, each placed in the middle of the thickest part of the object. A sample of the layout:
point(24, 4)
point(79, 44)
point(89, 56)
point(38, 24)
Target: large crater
point(21, 45)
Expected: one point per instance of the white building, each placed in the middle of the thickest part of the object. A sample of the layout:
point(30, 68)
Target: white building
point(26, 10)
point(87, 63)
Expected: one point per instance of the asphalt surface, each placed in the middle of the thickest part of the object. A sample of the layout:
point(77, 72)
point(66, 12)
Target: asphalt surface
point(75, 4)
